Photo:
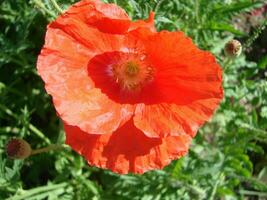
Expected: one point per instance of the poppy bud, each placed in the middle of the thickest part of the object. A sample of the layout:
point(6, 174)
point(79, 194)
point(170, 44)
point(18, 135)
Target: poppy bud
point(233, 48)
point(18, 148)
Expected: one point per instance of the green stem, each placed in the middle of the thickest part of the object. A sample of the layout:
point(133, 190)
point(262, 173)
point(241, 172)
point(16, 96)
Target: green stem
point(56, 6)
point(51, 147)
point(41, 6)
point(158, 5)
point(253, 193)
point(31, 126)
point(37, 191)
point(226, 64)
point(250, 127)
point(39, 133)
point(215, 187)
point(197, 10)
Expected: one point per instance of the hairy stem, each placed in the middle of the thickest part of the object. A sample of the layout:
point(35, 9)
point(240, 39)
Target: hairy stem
point(226, 64)
point(51, 147)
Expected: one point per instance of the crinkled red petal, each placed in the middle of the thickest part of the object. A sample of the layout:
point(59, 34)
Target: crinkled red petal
point(184, 73)
point(63, 66)
point(70, 44)
point(189, 82)
point(127, 149)
point(149, 23)
point(163, 120)
point(108, 18)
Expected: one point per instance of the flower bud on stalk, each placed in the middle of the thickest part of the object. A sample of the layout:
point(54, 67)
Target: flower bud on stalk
point(18, 148)
point(233, 49)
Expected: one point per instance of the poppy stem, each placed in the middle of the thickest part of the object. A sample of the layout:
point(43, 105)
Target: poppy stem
point(227, 63)
point(51, 147)
point(56, 6)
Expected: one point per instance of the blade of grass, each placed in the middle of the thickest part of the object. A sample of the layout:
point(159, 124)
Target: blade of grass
point(235, 7)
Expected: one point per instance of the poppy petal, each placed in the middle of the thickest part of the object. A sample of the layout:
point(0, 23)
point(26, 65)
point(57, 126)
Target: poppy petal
point(108, 18)
point(63, 66)
point(94, 40)
point(149, 23)
point(127, 149)
point(184, 73)
point(164, 120)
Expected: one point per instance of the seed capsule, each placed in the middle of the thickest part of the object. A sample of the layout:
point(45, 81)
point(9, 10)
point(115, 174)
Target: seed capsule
point(233, 48)
point(18, 148)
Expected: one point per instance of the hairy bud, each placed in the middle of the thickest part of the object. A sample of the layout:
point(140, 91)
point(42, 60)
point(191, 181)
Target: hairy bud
point(18, 148)
point(233, 48)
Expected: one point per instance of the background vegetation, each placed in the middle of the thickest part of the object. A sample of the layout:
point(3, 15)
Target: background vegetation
point(228, 158)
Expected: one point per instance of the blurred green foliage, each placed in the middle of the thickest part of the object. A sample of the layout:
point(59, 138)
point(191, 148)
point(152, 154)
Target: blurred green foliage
point(228, 157)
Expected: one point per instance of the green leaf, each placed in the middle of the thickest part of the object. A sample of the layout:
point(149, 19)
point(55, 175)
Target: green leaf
point(237, 7)
point(39, 192)
point(216, 26)
point(263, 62)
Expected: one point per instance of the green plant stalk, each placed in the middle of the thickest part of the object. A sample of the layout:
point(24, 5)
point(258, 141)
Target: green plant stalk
point(197, 11)
point(250, 180)
point(157, 6)
point(38, 190)
point(253, 193)
point(39, 133)
point(250, 127)
point(51, 147)
point(227, 63)
point(214, 189)
point(31, 126)
point(56, 6)
point(40, 5)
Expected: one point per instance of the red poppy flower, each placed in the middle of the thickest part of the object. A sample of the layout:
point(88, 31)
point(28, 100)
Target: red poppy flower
point(131, 98)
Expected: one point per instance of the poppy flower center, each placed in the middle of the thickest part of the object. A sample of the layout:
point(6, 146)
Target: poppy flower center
point(131, 68)
point(132, 75)
point(123, 76)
